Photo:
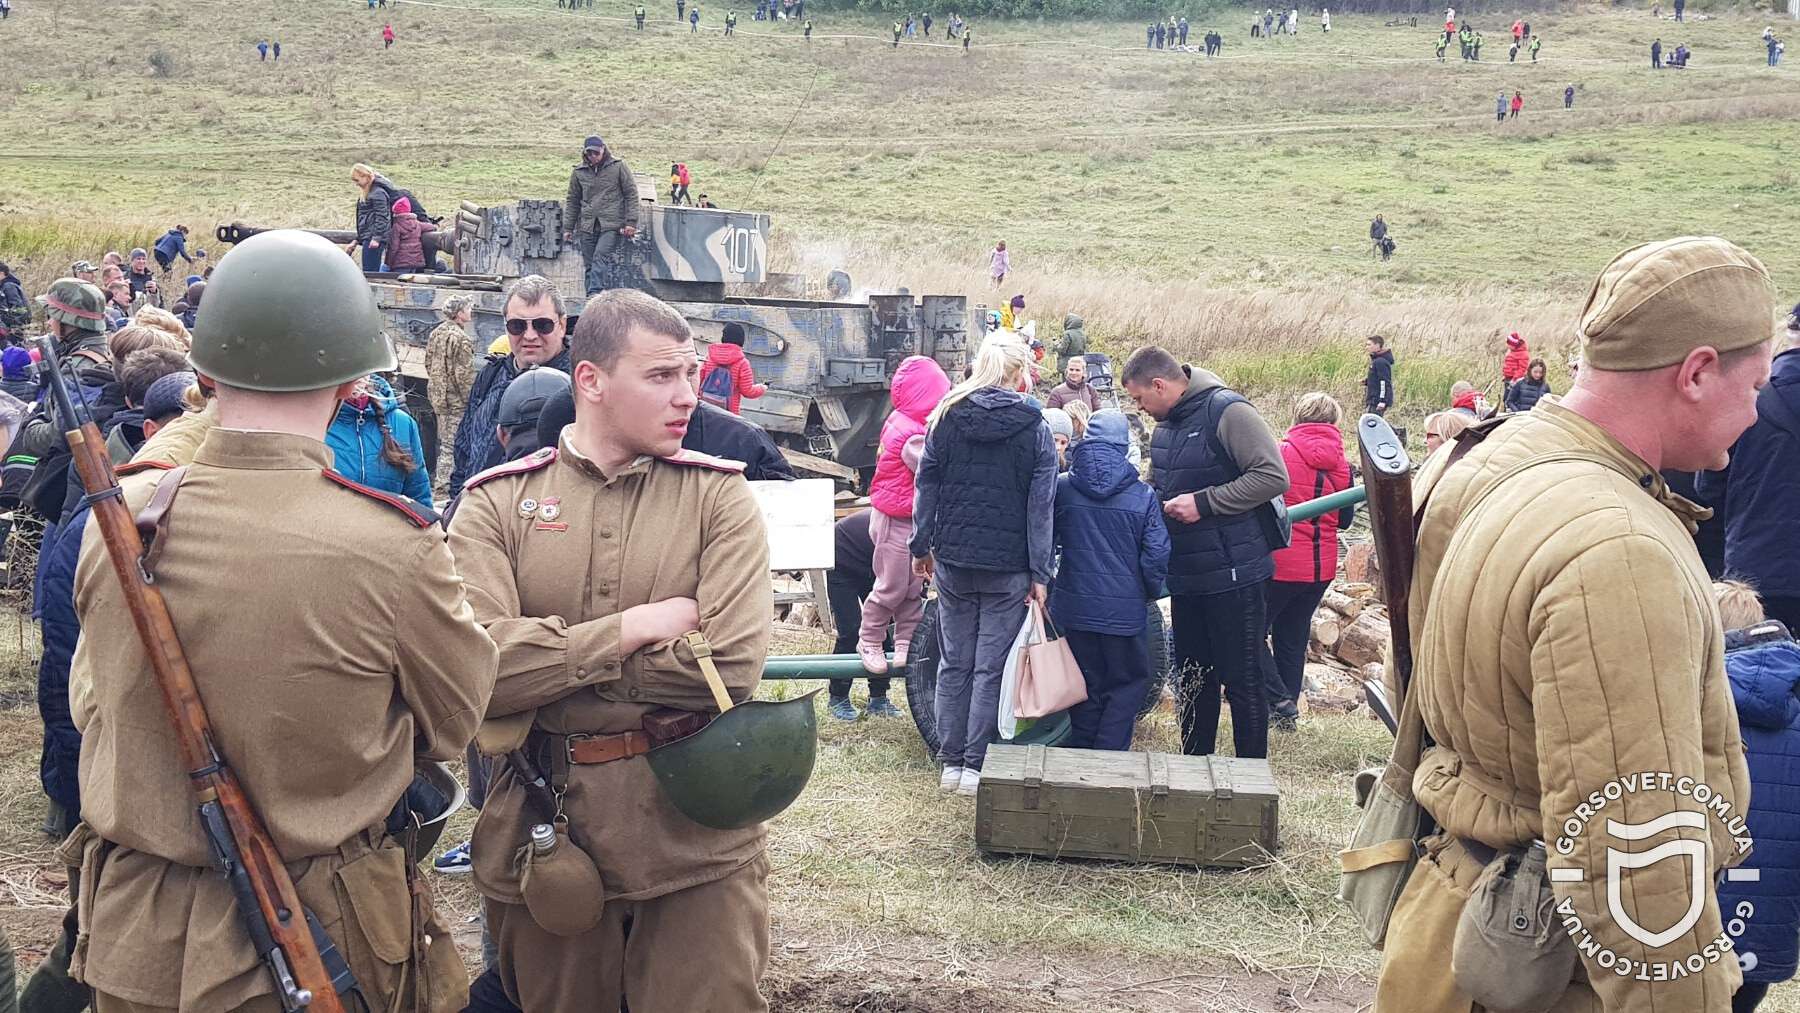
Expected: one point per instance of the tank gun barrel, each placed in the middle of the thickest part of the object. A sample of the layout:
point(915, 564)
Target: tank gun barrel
point(237, 232)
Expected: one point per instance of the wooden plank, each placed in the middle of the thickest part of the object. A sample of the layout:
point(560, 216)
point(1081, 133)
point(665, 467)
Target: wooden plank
point(819, 465)
point(821, 603)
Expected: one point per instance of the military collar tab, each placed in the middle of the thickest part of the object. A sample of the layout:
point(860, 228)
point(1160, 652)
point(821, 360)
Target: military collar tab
point(252, 450)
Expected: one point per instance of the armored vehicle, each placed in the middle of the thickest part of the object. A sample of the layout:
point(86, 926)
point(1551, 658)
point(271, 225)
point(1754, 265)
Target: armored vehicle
point(826, 359)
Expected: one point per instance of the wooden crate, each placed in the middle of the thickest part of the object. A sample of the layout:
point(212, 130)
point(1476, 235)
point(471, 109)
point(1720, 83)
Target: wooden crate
point(1138, 807)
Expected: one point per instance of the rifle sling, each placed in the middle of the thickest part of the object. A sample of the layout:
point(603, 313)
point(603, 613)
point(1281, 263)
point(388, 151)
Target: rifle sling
point(153, 521)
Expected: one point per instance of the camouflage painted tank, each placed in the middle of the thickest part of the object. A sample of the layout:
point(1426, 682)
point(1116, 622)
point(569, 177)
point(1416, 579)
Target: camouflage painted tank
point(826, 360)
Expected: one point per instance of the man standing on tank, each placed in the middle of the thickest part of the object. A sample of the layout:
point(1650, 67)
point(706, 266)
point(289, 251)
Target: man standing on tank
point(601, 209)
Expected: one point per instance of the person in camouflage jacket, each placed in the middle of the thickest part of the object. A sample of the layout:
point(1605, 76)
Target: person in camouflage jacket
point(450, 375)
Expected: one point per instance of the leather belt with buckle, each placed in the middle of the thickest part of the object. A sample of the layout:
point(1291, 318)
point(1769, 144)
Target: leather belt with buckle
point(587, 749)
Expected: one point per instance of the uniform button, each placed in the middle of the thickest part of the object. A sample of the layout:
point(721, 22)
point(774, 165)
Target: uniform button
point(612, 666)
point(581, 672)
point(634, 694)
point(605, 532)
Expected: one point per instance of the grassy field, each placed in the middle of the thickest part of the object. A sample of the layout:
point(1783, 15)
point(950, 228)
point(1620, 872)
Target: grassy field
point(1218, 206)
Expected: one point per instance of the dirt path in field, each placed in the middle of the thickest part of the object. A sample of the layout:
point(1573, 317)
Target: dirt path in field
point(918, 975)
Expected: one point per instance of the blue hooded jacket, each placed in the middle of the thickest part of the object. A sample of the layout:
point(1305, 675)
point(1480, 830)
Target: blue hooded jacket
point(1763, 681)
point(1109, 527)
point(355, 442)
point(1756, 494)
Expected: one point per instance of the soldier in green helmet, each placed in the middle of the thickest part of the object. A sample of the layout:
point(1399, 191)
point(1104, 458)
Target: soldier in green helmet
point(75, 315)
point(626, 582)
point(328, 633)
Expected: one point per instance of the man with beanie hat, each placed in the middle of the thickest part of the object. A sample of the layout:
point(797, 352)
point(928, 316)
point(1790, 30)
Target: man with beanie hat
point(601, 209)
point(1755, 496)
point(1566, 644)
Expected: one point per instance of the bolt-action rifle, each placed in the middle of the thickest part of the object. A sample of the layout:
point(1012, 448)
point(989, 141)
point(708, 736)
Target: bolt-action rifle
point(1387, 476)
point(308, 969)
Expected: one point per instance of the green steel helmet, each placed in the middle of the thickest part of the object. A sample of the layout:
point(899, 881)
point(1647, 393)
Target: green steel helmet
point(745, 767)
point(76, 303)
point(434, 796)
point(288, 311)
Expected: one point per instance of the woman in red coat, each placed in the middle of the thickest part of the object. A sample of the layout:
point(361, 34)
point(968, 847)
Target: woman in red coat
point(1313, 451)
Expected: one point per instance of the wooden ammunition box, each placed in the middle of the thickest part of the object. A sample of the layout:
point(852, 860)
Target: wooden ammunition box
point(1134, 807)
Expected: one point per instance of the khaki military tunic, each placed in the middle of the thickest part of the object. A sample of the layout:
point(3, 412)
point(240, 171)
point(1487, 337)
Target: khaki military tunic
point(331, 642)
point(1566, 636)
point(554, 550)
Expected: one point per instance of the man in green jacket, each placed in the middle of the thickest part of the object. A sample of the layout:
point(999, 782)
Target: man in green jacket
point(1569, 659)
point(601, 209)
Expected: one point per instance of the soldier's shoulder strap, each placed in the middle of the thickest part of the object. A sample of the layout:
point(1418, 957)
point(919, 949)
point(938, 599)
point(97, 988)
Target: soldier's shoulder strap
point(420, 515)
point(695, 459)
point(542, 458)
point(135, 467)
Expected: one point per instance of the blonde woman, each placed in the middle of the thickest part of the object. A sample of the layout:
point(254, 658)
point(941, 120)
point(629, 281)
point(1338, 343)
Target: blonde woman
point(982, 528)
point(1443, 427)
point(374, 216)
point(450, 376)
point(1313, 451)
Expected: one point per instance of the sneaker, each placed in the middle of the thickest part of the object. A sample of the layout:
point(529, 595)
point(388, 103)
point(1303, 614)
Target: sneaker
point(874, 659)
point(900, 652)
point(971, 780)
point(951, 779)
point(456, 861)
point(842, 709)
point(880, 707)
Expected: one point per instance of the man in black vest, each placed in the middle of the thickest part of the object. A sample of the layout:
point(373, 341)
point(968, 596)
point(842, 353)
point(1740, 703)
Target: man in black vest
point(1216, 466)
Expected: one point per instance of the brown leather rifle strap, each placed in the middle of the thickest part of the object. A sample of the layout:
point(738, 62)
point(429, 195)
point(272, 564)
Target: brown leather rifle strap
point(153, 521)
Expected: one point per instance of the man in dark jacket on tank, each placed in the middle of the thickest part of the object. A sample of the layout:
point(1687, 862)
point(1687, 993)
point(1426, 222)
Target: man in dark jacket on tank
point(1378, 386)
point(601, 209)
point(1098, 600)
point(1215, 465)
point(1756, 492)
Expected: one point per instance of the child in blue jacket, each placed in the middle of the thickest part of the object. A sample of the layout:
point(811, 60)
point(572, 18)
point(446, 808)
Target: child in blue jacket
point(374, 442)
point(1114, 557)
point(1763, 663)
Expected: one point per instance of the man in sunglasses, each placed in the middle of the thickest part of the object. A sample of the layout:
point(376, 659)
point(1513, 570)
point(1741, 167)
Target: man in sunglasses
point(536, 327)
point(601, 210)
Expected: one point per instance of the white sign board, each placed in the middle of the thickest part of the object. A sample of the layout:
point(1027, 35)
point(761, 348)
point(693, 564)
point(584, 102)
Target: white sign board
point(800, 520)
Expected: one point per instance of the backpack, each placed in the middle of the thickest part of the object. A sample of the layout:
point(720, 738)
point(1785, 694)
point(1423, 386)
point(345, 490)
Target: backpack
point(717, 388)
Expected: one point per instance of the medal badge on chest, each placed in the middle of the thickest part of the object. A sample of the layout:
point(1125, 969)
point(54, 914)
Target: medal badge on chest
point(548, 510)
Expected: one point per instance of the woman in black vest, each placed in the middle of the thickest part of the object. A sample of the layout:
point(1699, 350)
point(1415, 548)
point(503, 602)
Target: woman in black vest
point(983, 519)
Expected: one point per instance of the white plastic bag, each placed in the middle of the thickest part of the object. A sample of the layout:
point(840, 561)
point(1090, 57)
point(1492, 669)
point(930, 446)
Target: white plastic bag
point(1008, 722)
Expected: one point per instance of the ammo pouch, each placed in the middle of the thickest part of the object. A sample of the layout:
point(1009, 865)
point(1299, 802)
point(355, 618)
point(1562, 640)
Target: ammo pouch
point(1509, 954)
point(1384, 848)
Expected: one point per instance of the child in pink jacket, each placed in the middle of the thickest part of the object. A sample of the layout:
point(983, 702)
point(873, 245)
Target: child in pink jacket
point(898, 597)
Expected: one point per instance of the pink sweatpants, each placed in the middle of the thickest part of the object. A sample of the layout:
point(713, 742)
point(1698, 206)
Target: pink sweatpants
point(898, 596)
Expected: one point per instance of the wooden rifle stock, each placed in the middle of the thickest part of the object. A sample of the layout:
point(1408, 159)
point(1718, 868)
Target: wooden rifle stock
point(1387, 475)
point(279, 927)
